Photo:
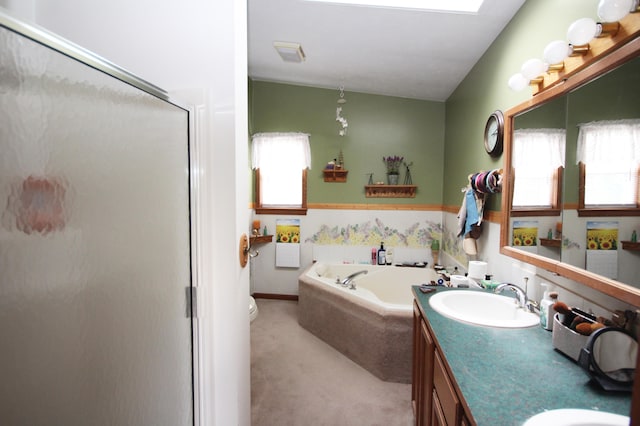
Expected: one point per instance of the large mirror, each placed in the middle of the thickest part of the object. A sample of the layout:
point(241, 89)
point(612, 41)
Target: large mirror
point(554, 229)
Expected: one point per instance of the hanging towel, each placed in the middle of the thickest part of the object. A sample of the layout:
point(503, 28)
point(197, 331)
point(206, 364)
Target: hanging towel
point(472, 211)
point(462, 216)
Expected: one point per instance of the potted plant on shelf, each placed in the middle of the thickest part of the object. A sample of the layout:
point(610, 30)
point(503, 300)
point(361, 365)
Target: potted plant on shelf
point(393, 168)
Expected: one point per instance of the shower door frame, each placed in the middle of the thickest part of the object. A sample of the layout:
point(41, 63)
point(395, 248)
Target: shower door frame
point(85, 56)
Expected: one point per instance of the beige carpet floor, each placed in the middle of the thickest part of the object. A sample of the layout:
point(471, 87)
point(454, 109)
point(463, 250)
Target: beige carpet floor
point(297, 379)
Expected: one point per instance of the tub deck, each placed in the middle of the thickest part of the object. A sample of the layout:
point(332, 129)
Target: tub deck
point(374, 334)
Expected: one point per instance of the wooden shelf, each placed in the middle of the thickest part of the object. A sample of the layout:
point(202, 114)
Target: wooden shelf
point(335, 175)
point(629, 245)
point(550, 242)
point(260, 239)
point(390, 191)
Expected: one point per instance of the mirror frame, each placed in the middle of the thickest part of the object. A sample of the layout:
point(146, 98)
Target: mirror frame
point(623, 52)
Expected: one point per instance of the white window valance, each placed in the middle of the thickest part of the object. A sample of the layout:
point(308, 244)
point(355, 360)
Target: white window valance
point(536, 148)
point(283, 150)
point(613, 142)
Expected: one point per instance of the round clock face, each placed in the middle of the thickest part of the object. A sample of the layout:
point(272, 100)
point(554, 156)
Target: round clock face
point(494, 133)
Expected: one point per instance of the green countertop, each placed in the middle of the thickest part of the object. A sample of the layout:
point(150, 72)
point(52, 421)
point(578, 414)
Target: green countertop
point(509, 375)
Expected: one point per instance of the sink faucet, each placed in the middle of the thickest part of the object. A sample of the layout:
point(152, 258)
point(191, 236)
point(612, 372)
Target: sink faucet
point(521, 295)
point(349, 280)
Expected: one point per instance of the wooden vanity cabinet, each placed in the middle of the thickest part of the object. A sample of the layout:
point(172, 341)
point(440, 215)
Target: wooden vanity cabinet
point(435, 397)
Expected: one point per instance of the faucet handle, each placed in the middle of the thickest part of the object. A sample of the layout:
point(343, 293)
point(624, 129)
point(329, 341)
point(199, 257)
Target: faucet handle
point(533, 306)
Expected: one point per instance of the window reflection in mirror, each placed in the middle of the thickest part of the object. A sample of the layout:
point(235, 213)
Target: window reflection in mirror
point(538, 158)
point(601, 175)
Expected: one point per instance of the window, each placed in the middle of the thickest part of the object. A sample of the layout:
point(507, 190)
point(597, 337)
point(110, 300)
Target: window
point(536, 189)
point(281, 161)
point(609, 156)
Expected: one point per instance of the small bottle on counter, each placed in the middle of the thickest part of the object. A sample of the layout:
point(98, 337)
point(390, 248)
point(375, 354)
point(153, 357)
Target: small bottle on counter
point(374, 256)
point(389, 256)
point(382, 255)
point(546, 310)
point(634, 237)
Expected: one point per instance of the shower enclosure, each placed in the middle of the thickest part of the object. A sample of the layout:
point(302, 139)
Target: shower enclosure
point(95, 272)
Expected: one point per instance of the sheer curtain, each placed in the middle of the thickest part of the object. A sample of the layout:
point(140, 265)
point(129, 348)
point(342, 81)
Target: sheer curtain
point(531, 149)
point(610, 151)
point(281, 157)
point(281, 150)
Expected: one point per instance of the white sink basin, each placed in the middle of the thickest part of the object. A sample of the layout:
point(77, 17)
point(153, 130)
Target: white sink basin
point(577, 417)
point(479, 308)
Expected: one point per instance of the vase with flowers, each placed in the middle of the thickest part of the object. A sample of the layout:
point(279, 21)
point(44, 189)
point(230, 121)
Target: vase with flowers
point(393, 164)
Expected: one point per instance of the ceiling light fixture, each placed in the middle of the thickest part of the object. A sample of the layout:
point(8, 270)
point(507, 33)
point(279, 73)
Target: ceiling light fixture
point(454, 6)
point(289, 52)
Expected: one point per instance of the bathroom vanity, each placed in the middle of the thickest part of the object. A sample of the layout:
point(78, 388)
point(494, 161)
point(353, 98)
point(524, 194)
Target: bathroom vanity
point(472, 375)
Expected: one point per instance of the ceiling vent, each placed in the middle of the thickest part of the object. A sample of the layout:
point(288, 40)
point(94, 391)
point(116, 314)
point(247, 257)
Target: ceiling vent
point(289, 52)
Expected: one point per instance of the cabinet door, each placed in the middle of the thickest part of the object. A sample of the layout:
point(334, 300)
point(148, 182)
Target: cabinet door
point(437, 415)
point(427, 372)
point(446, 392)
point(418, 351)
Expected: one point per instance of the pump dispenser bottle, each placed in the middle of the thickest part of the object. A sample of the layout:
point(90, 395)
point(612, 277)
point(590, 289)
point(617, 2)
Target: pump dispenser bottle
point(382, 255)
point(546, 307)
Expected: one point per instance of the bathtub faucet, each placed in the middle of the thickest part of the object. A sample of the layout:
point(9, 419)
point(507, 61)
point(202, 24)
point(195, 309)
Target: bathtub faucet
point(349, 280)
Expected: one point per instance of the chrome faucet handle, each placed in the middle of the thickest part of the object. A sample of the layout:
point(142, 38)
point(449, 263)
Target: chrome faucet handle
point(533, 306)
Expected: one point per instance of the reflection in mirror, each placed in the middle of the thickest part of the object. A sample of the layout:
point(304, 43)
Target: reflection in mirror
point(603, 151)
point(606, 89)
point(538, 158)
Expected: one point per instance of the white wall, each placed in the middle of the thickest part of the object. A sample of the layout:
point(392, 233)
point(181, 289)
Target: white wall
point(197, 49)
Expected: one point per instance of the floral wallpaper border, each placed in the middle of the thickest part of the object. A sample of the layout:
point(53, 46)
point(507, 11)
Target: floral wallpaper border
point(374, 232)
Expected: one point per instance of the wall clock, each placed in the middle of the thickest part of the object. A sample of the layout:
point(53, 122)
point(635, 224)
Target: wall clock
point(494, 134)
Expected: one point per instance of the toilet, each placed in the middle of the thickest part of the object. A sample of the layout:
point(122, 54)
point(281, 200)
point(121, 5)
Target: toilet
point(253, 308)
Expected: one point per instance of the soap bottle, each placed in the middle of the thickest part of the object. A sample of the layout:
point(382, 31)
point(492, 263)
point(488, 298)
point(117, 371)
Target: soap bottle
point(389, 256)
point(546, 307)
point(382, 255)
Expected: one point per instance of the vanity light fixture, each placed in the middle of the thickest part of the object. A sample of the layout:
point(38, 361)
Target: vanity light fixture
point(579, 35)
point(582, 31)
point(534, 68)
point(289, 52)
point(517, 82)
point(556, 52)
point(615, 10)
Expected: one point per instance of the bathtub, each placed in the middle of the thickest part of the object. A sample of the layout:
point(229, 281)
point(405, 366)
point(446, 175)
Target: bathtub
point(373, 324)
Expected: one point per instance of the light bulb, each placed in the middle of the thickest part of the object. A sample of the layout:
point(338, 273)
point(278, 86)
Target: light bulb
point(533, 68)
point(517, 82)
point(582, 31)
point(556, 52)
point(614, 10)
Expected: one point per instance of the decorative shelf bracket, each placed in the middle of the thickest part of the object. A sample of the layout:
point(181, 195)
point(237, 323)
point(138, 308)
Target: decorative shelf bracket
point(335, 175)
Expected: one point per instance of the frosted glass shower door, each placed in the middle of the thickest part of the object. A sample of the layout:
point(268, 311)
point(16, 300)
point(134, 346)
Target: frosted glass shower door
point(94, 244)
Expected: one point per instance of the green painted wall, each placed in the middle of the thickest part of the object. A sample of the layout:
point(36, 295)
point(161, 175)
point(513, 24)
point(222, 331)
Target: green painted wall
point(485, 88)
point(444, 141)
point(378, 126)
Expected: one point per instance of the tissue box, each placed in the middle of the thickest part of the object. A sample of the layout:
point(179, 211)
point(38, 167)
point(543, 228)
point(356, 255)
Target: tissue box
point(566, 340)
